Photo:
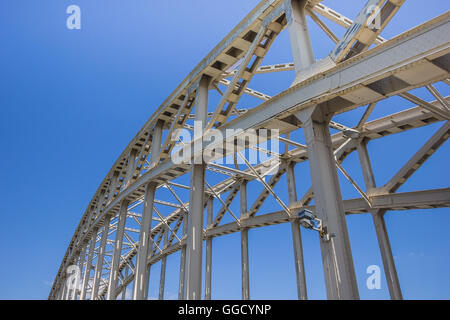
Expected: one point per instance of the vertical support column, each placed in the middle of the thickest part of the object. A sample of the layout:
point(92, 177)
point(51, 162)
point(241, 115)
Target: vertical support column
point(64, 289)
point(125, 275)
point(87, 271)
point(67, 293)
point(181, 290)
point(299, 36)
point(149, 267)
point(60, 292)
point(112, 187)
point(100, 256)
point(162, 278)
point(380, 227)
point(80, 266)
point(193, 273)
point(208, 271)
point(140, 289)
point(244, 246)
point(56, 293)
point(114, 274)
point(337, 257)
point(296, 237)
point(69, 285)
point(140, 285)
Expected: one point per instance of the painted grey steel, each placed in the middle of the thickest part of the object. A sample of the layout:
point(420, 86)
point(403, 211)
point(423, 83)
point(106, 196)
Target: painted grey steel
point(81, 264)
point(208, 265)
point(162, 278)
point(380, 227)
point(100, 257)
point(117, 253)
point(140, 289)
point(87, 269)
point(301, 47)
point(296, 237)
point(340, 277)
point(193, 273)
point(244, 246)
point(350, 77)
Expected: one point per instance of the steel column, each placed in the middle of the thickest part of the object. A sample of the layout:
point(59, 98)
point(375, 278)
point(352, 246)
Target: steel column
point(337, 257)
point(149, 267)
point(296, 236)
point(67, 292)
point(87, 271)
point(162, 278)
point(302, 51)
point(140, 289)
point(125, 275)
point(208, 271)
point(336, 254)
point(181, 291)
point(193, 275)
point(59, 293)
point(244, 246)
point(56, 293)
point(64, 289)
point(141, 262)
point(80, 266)
point(114, 274)
point(380, 227)
point(100, 256)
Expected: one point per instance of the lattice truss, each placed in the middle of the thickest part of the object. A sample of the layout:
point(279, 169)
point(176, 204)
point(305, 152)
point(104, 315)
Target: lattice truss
point(147, 207)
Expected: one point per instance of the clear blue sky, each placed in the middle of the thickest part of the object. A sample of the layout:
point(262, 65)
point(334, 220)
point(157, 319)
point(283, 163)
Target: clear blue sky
point(71, 100)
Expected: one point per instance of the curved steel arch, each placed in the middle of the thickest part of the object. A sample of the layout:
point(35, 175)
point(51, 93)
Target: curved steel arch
point(352, 76)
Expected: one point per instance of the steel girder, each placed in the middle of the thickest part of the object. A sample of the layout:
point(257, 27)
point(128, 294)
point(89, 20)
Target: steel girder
point(351, 77)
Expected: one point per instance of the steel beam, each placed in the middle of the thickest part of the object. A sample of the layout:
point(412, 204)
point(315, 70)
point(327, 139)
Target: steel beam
point(162, 277)
point(80, 266)
point(208, 270)
point(65, 295)
point(296, 236)
point(100, 257)
point(193, 275)
point(125, 275)
point(140, 289)
point(88, 267)
point(301, 47)
point(366, 28)
point(337, 258)
point(418, 159)
point(427, 199)
point(245, 272)
point(117, 253)
point(380, 228)
point(386, 70)
point(181, 291)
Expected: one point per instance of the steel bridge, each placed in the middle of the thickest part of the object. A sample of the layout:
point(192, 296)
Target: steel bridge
point(122, 233)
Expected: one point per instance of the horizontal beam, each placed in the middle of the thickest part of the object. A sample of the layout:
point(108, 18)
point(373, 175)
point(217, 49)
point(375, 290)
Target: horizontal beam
point(428, 199)
point(359, 81)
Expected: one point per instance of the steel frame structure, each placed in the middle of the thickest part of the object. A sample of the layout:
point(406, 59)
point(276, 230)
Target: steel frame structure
point(361, 70)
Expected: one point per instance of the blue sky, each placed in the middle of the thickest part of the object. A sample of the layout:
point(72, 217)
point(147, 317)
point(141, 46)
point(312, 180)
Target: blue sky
point(71, 100)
